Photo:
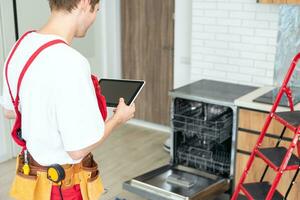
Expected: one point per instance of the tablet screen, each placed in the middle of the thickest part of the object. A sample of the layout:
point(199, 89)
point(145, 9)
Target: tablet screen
point(114, 89)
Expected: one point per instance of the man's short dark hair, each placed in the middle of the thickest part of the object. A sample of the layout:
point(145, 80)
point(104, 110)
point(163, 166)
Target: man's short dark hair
point(68, 5)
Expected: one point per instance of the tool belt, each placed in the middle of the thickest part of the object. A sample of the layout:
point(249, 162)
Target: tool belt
point(37, 186)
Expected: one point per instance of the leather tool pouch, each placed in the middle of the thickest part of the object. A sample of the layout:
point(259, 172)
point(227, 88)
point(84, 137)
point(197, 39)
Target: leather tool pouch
point(36, 186)
point(90, 182)
point(30, 187)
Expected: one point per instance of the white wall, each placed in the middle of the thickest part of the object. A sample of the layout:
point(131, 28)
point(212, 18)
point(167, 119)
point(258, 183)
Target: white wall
point(182, 42)
point(228, 40)
point(234, 41)
point(113, 38)
point(7, 38)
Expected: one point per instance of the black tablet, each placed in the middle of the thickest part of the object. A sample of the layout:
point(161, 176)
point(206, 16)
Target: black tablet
point(114, 89)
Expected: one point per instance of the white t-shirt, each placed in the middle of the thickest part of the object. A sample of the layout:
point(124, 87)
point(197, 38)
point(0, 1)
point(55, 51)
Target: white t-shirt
point(57, 100)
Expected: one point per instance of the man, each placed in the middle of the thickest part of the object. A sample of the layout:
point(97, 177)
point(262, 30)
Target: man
point(61, 122)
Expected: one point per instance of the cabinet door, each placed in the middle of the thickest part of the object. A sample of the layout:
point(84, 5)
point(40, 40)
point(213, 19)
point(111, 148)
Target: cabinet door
point(247, 141)
point(254, 121)
point(254, 175)
point(147, 53)
point(280, 1)
point(266, 1)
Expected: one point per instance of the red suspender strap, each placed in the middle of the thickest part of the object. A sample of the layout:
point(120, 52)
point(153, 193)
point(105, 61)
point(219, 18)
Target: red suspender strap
point(30, 60)
point(8, 61)
point(17, 125)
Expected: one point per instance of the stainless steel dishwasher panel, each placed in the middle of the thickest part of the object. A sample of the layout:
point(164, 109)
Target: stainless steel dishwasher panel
point(177, 183)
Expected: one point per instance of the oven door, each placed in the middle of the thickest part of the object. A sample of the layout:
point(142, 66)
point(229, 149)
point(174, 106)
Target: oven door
point(177, 183)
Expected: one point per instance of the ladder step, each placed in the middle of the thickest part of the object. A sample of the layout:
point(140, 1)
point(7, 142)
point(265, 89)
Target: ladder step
point(259, 191)
point(275, 156)
point(242, 197)
point(290, 117)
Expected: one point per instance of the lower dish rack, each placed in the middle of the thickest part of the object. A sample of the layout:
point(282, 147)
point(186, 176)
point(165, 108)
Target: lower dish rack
point(213, 162)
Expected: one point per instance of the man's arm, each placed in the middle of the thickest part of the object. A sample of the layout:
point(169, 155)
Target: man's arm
point(9, 114)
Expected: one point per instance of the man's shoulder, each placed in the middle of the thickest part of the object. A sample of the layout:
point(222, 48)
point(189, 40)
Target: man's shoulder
point(67, 54)
point(66, 61)
point(57, 53)
point(66, 57)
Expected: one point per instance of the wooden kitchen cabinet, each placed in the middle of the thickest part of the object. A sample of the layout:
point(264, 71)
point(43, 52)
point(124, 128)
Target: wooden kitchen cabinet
point(252, 120)
point(147, 54)
point(279, 1)
point(250, 123)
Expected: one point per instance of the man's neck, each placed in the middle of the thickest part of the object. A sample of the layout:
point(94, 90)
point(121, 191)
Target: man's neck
point(61, 24)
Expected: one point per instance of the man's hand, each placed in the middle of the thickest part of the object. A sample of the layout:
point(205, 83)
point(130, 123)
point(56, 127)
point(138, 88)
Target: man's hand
point(123, 113)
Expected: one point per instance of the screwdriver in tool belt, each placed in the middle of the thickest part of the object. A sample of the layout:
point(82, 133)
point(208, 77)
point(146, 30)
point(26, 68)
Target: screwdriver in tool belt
point(26, 168)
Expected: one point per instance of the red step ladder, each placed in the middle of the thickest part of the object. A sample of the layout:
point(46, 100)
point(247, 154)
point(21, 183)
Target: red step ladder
point(280, 159)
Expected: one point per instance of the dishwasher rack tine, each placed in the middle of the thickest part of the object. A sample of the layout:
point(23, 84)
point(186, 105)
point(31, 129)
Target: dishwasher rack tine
point(280, 159)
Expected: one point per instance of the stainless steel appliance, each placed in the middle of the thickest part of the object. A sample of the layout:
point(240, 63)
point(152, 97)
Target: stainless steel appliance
point(203, 144)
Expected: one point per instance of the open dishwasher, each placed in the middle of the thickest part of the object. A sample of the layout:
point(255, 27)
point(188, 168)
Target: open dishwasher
point(202, 145)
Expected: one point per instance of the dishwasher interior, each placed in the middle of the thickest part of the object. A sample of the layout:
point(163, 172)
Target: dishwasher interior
point(200, 166)
point(202, 136)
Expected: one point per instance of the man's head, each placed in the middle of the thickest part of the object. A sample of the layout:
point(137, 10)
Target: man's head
point(84, 11)
point(69, 5)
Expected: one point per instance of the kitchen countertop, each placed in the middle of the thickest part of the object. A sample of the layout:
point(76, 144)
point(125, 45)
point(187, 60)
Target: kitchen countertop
point(215, 92)
point(246, 101)
point(226, 94)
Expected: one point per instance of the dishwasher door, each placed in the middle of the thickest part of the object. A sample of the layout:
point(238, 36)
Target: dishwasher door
point(177, 183)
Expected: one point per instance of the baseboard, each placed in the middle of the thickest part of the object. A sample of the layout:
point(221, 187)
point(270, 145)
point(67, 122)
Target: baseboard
point(4, 158)
point(158, 127)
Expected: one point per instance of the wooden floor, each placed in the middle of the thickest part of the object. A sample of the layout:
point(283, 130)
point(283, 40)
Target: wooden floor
point(129, 151)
